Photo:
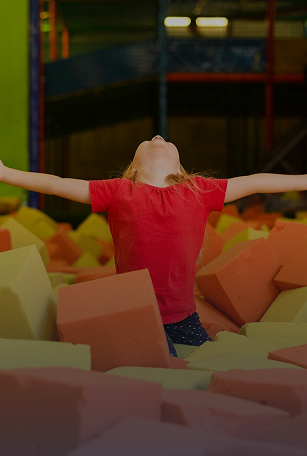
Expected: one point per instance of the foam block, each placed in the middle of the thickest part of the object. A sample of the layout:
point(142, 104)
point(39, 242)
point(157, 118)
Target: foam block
point(69, 249)
point(233, 229)
point(211, 247)
point(289, 306)
point(238, 284)
point(293, 273)
point(169, 378)
point(289, 432)
point(279, 334)
point(227, 342)
point(293, 355)
point(285, 239)
point(18, 354)
point(57, 409)
point(5, 240)
point(86, 243)
point(183, 351)
point(36, 221)
point(87, 260)
point(138, 437)
point(285, 389)
point(213, 412)
point(211, 316)
point(107, 251)
point(22, 237)
point(96, 226)
point(227, 361)
point(27, 302)
point(95, 273)
point(248, 234)
point(224, 221)
point(121, 321)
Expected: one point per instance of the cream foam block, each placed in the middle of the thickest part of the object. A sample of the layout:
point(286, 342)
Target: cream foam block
point(291, 432)
point(227, 361)
point(285, 389)
point(183, 351)
point(96, 226)
point(50, 411)
point(170, 378)
point(279, 334)
point(139, 437)
point(213, 412)
point(237, 283)
point(27, 302)
point(289, 306)
point(119, 317)
point(22, 237)
point(228, 342)
point(36, 221)
point(293, 355)
point(18, 354)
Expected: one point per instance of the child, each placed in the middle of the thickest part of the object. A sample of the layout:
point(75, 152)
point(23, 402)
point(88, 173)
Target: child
point(157, 215)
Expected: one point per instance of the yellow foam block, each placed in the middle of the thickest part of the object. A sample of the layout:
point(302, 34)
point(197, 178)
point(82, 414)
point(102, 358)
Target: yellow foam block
point(87, 243)
point(289, 306)
point(228, 342)
point(4, 218)
point(22, 237)
point(170, 378)
point(9, 204)
point(183, 351)
point(36, 221)
point(246, 235)
point(227, 361)
point(280, 334)
point(27, 302)
point(20, 354)
point(96, 226)
point(110, 262)
point(60, 277)
point(224, 221)
point(87, 260)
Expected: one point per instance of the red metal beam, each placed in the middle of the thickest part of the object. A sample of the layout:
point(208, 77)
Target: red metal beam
point(52, 33)
point(234, 77)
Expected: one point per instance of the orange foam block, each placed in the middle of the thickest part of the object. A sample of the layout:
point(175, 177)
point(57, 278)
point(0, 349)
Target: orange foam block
point(119, 317)
point(240, 281)
point(146, 437)
point(294, 355)
point(214, 412)
point(285, 239)
point(211, 247)
point(211, 316)
point(69, 249)
point(233, 229)
point(290, 432)
point(5, 240)
point(230, 209)
point(282, 388)
point(95, 273)
point(293, 273)
point(50, 411)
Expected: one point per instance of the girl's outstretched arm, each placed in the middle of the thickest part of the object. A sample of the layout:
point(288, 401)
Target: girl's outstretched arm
point(73, 189)
point(238, 187)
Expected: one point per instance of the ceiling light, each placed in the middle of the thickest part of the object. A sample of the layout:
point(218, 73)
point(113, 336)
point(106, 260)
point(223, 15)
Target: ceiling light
point(172, 21)
point(212, 22)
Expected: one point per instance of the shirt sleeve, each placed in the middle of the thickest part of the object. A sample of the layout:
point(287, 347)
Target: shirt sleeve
point(102, 193)
point(214, 192)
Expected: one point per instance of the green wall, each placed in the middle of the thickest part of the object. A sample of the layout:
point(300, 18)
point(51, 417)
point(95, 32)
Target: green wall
point(14, 88)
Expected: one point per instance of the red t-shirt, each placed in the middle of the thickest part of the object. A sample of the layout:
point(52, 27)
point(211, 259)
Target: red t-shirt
point(161, 229)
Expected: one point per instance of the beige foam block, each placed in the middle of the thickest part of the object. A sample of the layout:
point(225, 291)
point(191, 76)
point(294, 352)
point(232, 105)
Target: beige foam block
point(27, 302)
point(228, 342)
point(119, 317)
point(213, 412)
point(247, 234)
point(228, 361)
point(169, 378)
point(279, 334)
point(289, 306)
point(87, 260)
point(294, 355)
point(237, 282)
point(285, 239)
point(37, 222)
point(211, 316)
point(293, 273)
point(96, 226)
point(224, 221)
point(22, 237)
point(57, 278)
point(285, 389)
point(289, 432)
point(57, 409)
point(183, 351)
point(20, 354)
point(87, 243)
point(139, 437)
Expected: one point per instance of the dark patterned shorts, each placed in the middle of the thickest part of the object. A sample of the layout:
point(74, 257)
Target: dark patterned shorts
point(188, 331)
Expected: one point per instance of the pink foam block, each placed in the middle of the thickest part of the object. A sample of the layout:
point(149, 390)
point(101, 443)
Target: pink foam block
point(118, 316)
point(217, 412)
point(140, 437)
point(95, 273)
point(291, 432)
point(211, 316)
point(50, 411)
point(285, 389)
point(285, 239)
point(294, 355)
point(240, 281)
